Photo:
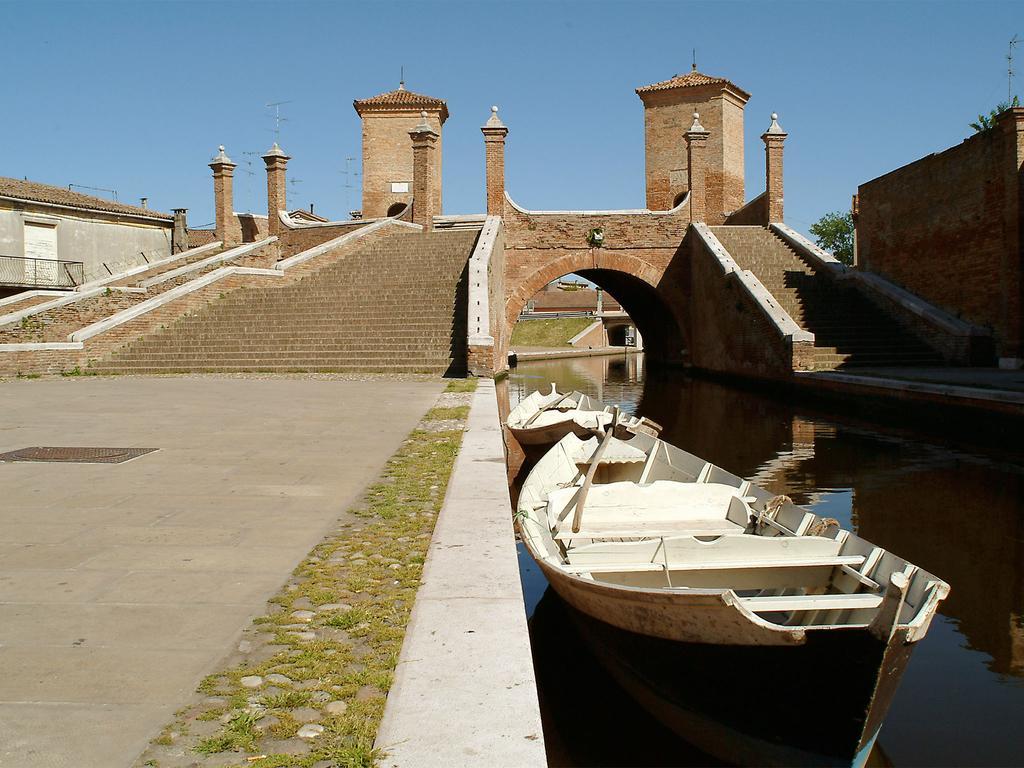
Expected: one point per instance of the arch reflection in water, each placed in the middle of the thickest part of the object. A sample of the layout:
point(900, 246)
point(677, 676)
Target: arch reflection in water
point(956, 512)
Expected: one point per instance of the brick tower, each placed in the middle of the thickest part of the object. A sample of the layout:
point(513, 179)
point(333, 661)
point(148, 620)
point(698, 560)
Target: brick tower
point(668, 114)
point(387, 154)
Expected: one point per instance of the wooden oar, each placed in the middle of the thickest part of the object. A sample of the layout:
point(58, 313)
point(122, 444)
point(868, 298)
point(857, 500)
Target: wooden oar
point(548, 407)
point(595, 461)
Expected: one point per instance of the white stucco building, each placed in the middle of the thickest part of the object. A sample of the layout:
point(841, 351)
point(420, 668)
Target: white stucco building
point(46, 232)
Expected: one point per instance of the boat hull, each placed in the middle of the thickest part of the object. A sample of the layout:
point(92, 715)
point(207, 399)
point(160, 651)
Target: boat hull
point(548, 435)
point(821, 703)
point(692, 616)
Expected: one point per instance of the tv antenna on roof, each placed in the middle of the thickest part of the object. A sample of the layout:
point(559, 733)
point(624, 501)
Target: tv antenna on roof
point(1009, 68)
point(350, 176)
point(250, 178)
point(276, 105)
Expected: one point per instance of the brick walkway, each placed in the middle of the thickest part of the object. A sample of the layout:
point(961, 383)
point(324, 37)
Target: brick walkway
point(122, 585)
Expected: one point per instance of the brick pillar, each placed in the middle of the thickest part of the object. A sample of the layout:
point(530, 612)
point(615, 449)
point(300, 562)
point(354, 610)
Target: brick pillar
point(229, 230)
point(276, 161)
point(773, 140)
point(696, 168)
point(494, 142)
point(424, 144)
point(179, 235)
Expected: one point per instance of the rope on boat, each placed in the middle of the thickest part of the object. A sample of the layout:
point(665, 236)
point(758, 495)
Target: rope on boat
point(770, 511)
point(820, 526)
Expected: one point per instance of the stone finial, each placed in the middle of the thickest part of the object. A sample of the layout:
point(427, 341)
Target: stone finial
point(424, 125)
point(221, 158)
point(775, 129)
point(494, 121)
point(275, 151)
point(696, 127)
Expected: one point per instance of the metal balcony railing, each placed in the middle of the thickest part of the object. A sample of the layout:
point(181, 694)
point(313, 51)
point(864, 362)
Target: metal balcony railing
point(40, 273)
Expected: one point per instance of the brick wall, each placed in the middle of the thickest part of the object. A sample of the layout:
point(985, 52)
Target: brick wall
point(947, 228)
point(253, 227)
point(754, 213)
point(730, 334)
point(295, 241)
point(667, 116)
point(387, 158)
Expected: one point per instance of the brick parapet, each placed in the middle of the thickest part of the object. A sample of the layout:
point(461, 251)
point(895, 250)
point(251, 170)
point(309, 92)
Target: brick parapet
point(743, 340)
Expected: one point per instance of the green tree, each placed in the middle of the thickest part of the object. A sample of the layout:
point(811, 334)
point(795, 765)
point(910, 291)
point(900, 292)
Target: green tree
point(988, 122)
point(834, 232)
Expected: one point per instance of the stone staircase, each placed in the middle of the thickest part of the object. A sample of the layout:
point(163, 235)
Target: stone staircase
point(397, 304)
point(849, 330)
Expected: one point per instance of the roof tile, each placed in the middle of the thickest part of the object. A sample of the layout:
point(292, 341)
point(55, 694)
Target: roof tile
point(398, 99)
point(34, 191)
point(690, 80)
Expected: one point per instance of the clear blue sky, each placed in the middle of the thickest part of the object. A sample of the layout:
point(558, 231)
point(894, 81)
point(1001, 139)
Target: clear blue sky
point(136, 97)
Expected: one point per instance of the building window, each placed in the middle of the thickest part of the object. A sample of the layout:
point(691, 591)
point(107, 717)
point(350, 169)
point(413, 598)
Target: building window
point(395, 209)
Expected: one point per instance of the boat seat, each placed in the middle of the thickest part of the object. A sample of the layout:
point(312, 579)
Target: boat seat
point(586, 419)
point(661, 508)
point(722, 565)
point(811, 602)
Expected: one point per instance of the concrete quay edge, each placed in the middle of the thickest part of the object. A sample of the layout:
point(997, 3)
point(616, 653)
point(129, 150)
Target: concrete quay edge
point(1002, 401)
point(557, 354)
point(465, 692)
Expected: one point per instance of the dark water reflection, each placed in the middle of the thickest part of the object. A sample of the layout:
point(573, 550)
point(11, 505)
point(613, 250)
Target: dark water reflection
point(953, 510)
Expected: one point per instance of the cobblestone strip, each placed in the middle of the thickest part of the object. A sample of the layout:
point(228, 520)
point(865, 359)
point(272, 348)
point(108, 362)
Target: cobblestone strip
point(307, 684)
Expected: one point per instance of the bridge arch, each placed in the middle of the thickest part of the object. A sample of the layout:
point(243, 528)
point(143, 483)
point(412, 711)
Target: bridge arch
point(635, 283)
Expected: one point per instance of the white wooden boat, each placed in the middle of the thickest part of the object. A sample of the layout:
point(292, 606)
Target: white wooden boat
point(794, 631)
point(541, 420)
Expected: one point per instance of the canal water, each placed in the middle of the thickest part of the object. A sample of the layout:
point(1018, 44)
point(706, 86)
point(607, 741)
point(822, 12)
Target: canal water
point(945, 503)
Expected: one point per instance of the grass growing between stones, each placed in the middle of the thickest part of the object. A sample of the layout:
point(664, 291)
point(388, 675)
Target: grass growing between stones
point(307, 687)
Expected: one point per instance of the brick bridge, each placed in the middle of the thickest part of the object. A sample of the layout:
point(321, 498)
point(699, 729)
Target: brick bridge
point(735, 292)
point(709, 281)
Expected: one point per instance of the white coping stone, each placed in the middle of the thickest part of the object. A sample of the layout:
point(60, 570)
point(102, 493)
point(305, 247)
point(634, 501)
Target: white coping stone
point(146, 267)
point(94, 288)
point(149, 305)
point(195, 266)
point(869, 280)
point(32, 346)
point(330, 245)
point(14, 317)
point(15, 298)
point(177, 292)
point(584, 332)
point(625, 211)
point(465, 692)
point(479, 303)
point(785, 324)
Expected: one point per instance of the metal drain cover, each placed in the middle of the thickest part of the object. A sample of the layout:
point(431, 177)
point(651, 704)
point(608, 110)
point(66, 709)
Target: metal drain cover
point(75, 455)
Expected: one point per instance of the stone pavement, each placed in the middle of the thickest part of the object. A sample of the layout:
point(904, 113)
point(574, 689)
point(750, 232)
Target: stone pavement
point(122, 585)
